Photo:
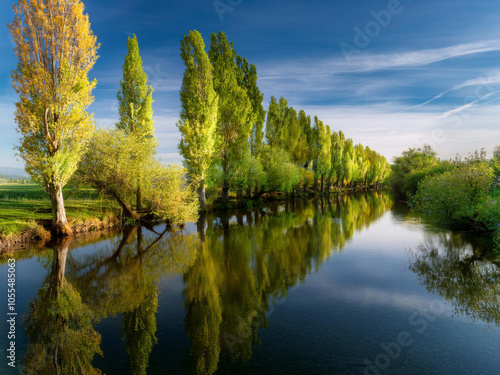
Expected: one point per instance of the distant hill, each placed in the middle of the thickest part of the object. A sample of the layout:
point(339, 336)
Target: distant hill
point(13, 173)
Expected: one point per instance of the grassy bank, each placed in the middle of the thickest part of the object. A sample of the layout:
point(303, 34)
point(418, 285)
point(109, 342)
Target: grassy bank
point(25, 206)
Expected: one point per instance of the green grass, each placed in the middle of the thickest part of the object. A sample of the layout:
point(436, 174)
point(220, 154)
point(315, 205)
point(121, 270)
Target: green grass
point(23, 205)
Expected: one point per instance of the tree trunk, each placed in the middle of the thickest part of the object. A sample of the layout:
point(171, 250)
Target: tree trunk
point(225, 186)
point(225, 192)
point(139, 195)
point(60, 262)
point(322, 183)
point(201, 195)
point(202, 226)
point(61, 225)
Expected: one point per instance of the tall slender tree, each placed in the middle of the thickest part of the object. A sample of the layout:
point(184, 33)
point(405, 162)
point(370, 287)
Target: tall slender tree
point(275, 122)
point(248, 79)
point(198, 117)
point(135, 99)
point(56, 50)
point(305, 125)
point(234, 108)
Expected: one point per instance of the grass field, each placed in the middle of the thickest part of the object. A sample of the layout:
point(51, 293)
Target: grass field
point(23, 205)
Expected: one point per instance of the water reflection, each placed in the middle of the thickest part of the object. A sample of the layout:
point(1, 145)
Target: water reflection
point(460, 273)
point(234, 269)
point(248, 261)
point(118, 278)
point(58, 325)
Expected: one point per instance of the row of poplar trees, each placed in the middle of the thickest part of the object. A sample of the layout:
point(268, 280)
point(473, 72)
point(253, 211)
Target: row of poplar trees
point(224, 142)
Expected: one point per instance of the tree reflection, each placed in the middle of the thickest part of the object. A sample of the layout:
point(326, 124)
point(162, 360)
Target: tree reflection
point(242, 268)
point(120, 277)
point(460, 273)
point(59, 325)
point(138, 332)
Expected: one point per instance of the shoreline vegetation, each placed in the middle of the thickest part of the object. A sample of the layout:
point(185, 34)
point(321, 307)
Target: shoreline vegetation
point(465, 191)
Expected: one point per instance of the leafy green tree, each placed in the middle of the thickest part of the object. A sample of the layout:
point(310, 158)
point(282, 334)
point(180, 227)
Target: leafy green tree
point(307, 142)
point(347, 162)
point(294, 141)
point(457, 194)
point(275, 122)
point(245, 172)
point(412, 160)
point(198, 117)
point(495, 161)
point(109, 164)
point(248, 79)
point(281, 174)
point(337, 148)
point(324, 159)
point(135, 99)
point(496, 152)
point(234, 108)
point(56, 49)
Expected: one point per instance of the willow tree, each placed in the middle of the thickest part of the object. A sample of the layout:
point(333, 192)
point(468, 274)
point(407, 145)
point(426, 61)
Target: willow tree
point(234, 109)
point(198, 117)
point(135, 99)
point(56, 50)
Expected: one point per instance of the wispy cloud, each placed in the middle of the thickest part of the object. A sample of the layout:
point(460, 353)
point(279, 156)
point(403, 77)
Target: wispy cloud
point(468, 105)
point(491, 79)
point(365, 62)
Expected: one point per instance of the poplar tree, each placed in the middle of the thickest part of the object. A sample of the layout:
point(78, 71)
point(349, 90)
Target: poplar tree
point(56, 49)
point(305, 125)
point(135, 99)
point(336, 153)
point(198, 117)
point(248, 80)
point(347, 162)
point(234, 107)
point(275, 122)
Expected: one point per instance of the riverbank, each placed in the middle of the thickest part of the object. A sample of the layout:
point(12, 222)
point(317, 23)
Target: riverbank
point(26, 214)
point(247, 202)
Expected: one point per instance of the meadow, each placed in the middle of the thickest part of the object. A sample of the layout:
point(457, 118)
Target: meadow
point(25, 205)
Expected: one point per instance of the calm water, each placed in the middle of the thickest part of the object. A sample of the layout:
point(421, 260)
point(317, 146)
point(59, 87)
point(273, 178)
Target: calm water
point(355, 285)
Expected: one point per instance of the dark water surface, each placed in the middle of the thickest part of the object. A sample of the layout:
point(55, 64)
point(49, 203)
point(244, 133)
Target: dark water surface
point(354, 285)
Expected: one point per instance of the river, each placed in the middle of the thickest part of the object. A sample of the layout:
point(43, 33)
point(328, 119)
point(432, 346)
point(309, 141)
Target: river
point(351, 285)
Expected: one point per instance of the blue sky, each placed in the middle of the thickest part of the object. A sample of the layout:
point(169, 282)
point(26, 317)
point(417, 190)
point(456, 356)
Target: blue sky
point(390, 74)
